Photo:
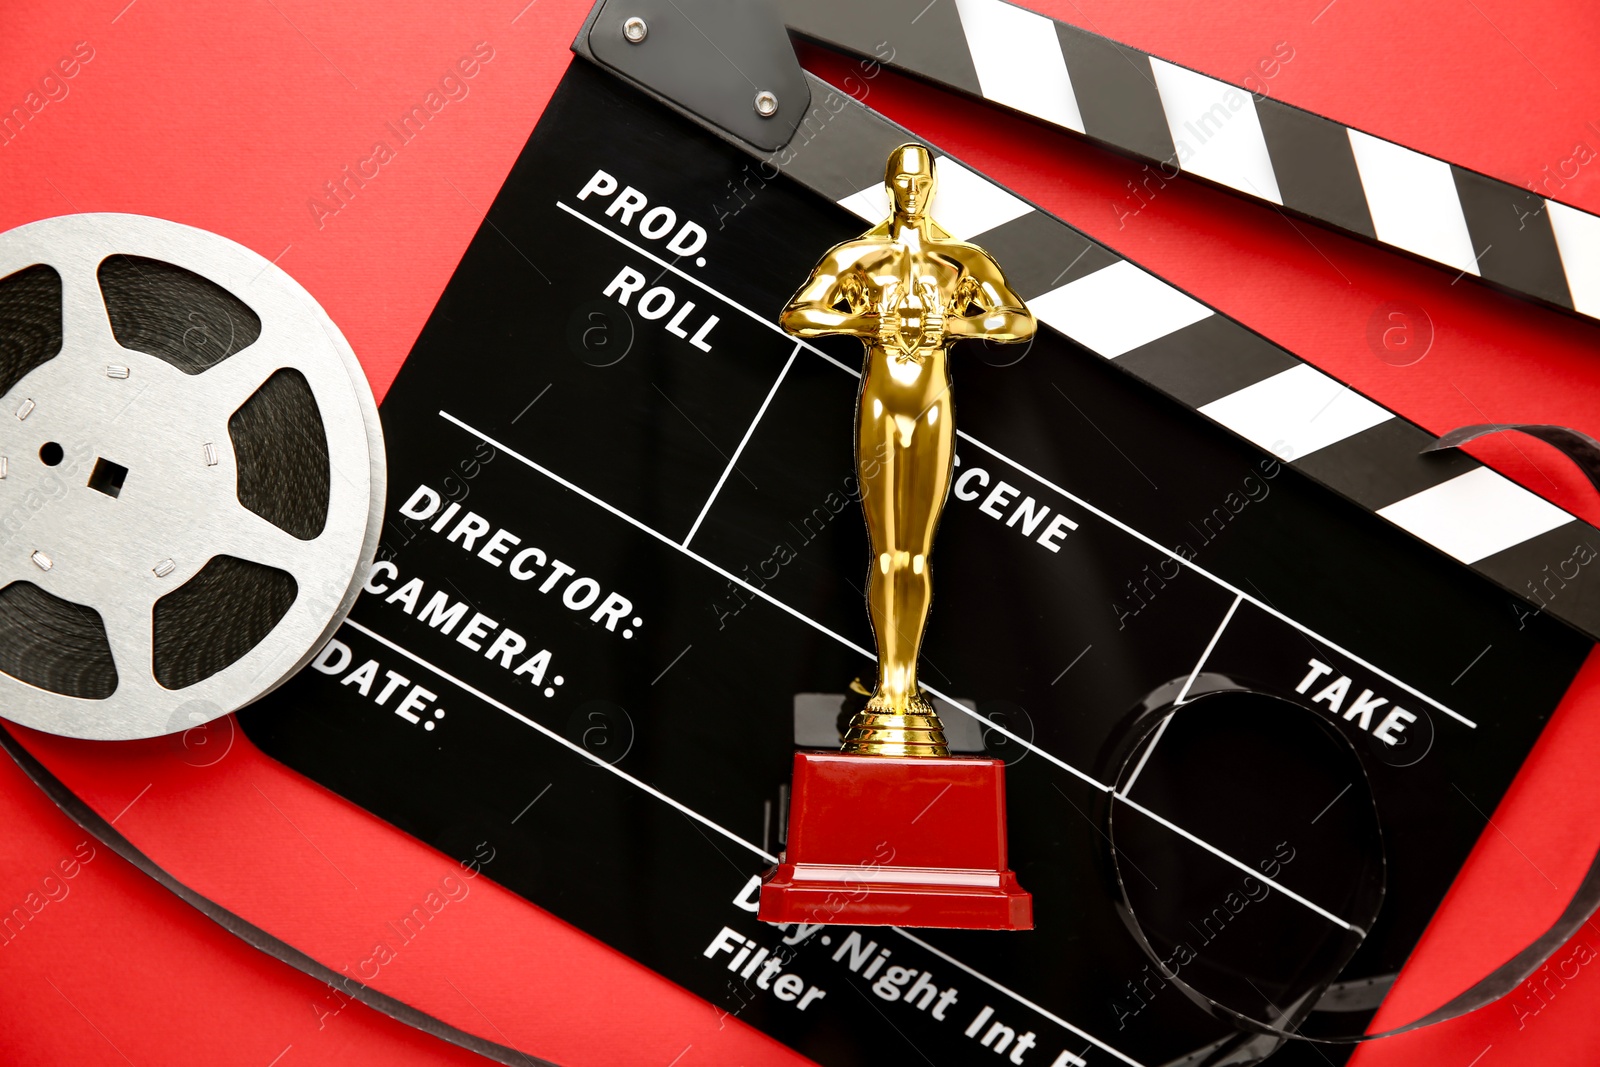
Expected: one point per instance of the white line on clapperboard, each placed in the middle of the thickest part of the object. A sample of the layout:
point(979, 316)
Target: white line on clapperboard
point(1179, 702)
point(748, 433)
point(1118, 523)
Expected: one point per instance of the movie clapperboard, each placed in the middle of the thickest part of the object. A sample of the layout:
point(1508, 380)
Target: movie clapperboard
point(621, 576)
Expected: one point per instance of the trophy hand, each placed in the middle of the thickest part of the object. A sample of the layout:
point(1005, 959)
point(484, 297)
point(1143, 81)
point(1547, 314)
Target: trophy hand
point(890, 323)
point(932, 316)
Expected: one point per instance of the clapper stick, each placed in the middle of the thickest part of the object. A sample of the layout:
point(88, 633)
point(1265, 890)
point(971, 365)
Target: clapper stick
point(1183, 122)
point(1188, 350)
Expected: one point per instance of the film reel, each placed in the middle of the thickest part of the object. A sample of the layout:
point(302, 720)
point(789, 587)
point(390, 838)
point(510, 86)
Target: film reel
point(191, 476)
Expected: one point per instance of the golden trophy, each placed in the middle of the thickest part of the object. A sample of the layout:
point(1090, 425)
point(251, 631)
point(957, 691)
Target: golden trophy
point(892, 829)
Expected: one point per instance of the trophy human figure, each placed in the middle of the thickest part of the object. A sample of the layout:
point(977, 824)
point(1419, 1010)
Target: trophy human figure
point(859, 850)
point(908, 290)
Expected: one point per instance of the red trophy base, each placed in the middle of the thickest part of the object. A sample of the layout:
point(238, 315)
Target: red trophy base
point(896, 841)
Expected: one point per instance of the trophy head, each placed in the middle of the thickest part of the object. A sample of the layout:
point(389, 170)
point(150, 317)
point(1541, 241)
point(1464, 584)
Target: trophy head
point(909, 179)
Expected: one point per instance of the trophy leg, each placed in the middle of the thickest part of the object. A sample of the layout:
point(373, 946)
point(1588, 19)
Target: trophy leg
point(905, 454)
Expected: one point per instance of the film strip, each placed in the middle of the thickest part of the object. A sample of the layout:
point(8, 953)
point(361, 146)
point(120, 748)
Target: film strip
point(1182, 121)
point(1221, 368)
point(93, 823)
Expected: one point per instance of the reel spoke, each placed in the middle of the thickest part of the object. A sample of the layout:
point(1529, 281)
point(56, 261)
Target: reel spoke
point(130, 630)
point(254, 539)
point(85, 322)
point(236, 379)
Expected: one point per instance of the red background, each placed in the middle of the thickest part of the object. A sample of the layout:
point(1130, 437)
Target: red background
point(231, 116)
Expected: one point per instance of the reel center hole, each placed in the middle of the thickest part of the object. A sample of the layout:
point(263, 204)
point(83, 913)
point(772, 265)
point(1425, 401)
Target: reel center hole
point(107, 477)
point(51, 453)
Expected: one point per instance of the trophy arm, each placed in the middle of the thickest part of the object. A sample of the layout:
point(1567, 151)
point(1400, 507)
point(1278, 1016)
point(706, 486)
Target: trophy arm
point(814, 319)
point(1003, 324)
point(1001, 315)
point(833, 300)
